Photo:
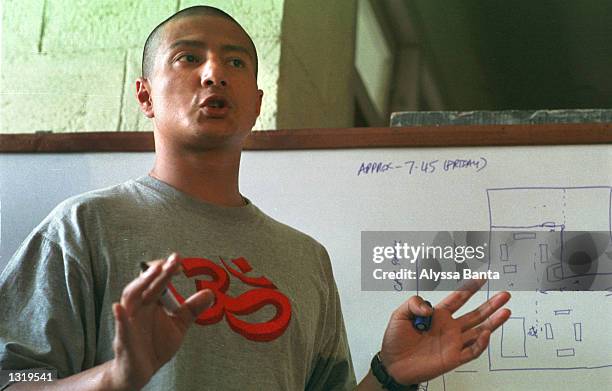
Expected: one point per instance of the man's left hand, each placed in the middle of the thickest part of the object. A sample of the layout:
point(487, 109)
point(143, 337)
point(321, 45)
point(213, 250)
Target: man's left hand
point(411, 356)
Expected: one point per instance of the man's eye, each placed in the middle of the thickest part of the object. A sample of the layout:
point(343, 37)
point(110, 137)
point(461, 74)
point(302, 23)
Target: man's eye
point(188, 58)
point(238, 63)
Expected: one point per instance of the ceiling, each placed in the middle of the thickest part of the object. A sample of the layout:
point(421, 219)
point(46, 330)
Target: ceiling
point(494, 55)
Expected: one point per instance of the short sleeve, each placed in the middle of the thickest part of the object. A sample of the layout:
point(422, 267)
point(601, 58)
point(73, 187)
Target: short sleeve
point(334, 367)
point(47, 311)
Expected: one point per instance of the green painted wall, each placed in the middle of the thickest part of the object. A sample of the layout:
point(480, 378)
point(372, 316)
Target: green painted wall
point(70, 65)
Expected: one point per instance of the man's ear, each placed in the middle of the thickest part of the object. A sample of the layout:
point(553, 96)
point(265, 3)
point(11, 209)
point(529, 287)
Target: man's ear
point(143, 94)
point(259, 99)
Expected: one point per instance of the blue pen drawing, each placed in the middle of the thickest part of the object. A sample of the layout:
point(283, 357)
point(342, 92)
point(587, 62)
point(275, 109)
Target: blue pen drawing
point(546, 244)
point(423, 167)
point(538, 241)
point(438, 384)
point(562, 312)
point(569, 352)
point(533, 331)
point(578, 332)
point(397, 284)
point(549, 331)
point(514, 338)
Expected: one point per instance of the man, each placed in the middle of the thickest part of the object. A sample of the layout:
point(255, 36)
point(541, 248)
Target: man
point(266, 308)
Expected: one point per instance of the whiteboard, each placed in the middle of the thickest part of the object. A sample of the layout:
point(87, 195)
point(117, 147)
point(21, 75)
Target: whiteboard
point(323, 193)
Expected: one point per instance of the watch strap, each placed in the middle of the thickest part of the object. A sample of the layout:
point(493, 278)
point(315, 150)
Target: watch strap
point(387, 381)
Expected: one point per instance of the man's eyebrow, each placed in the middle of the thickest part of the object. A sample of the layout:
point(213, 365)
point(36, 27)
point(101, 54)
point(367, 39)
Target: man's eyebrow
point(186, 42)
point(200, 44)
point(237, 48)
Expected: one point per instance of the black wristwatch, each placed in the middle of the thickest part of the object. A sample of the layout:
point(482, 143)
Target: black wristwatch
point(388, 382)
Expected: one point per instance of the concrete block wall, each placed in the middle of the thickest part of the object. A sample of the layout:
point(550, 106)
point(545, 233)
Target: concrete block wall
point(71, 65)
point(317, 61)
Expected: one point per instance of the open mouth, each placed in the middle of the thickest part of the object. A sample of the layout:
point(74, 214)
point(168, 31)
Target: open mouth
point(216, 103)
point(215, 106)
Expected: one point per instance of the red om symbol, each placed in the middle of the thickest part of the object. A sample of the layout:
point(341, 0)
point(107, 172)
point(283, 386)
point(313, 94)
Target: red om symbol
point(245, 304)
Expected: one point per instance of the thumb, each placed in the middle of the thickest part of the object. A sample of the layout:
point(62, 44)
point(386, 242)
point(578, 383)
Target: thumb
point(195, 305)
point(120, 341)
point(414, 306)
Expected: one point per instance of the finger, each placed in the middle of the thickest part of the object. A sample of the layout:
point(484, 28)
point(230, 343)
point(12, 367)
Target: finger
point(132, 293)
point(161, 262)
point(468, 337)
point(168, 269)
point(195, 305)
point(458, 298)
point(497, 319)
point(414, 306)
point(475, 349)
point(477, 316)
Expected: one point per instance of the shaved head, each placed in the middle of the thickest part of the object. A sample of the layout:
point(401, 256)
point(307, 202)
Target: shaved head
point(154, 38)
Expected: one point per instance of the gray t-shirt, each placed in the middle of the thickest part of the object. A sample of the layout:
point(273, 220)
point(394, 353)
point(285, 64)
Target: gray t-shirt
point(276, 324)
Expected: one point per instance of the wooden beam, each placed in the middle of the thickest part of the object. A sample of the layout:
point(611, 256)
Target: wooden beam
point(332, 138)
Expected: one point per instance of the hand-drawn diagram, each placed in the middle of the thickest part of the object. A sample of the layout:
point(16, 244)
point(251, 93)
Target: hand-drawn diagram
point(558, 240)
point(538, 234)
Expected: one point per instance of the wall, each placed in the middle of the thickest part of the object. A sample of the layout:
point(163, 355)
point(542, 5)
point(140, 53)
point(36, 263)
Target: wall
point(317, 61)
point(72, 68)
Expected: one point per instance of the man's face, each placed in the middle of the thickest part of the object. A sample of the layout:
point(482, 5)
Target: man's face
point(203, 90)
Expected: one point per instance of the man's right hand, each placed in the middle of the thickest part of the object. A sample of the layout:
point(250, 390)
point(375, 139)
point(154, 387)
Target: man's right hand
point(146, 336)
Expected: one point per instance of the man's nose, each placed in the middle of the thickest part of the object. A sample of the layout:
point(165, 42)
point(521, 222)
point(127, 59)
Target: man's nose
point(213, 74)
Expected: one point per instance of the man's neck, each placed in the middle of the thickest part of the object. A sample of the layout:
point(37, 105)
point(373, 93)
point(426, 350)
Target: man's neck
point(210, 176)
